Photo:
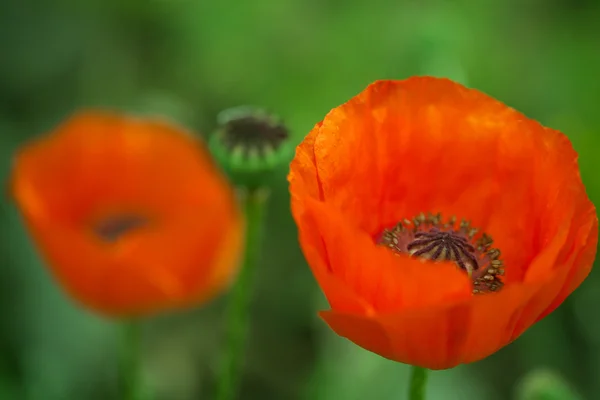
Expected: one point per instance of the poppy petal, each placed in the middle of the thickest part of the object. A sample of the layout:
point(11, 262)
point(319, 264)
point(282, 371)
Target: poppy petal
point(303, 175)
point(339, 295)
point(581, 259)
point(432, 338)
point(408, 139)
point(438, 337)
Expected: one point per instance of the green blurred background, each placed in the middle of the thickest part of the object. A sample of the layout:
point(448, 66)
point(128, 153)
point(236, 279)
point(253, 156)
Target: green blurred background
point(190, 59)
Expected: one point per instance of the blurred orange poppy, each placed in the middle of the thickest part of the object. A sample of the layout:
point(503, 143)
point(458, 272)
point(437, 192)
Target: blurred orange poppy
point(132, 215)
point(375, 187)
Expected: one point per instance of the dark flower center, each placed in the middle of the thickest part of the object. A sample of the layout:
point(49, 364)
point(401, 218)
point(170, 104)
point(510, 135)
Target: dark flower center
point(113, 228)
point(430, 238)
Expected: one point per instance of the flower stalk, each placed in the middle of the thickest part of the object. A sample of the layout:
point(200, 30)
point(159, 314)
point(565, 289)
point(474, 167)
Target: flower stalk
point(238, 313)
point(129, 369)
point(418, 382)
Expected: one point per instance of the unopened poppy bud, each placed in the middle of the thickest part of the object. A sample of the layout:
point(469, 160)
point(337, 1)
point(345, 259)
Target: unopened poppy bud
point(250, 144)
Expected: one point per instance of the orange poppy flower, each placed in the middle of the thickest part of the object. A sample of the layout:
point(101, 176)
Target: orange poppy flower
point(131, 215)
point(423, 288)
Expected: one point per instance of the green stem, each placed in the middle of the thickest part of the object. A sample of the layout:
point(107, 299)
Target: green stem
point(418, 381)
point(238, 312)
point(130, 382)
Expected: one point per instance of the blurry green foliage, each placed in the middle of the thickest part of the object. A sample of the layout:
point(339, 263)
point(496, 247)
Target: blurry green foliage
point(545, 385)
point(190, 59)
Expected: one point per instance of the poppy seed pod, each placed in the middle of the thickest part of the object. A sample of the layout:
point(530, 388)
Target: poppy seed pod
point(251, 145)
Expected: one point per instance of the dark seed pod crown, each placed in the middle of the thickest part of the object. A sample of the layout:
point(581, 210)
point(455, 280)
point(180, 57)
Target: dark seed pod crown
point(250, 144)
